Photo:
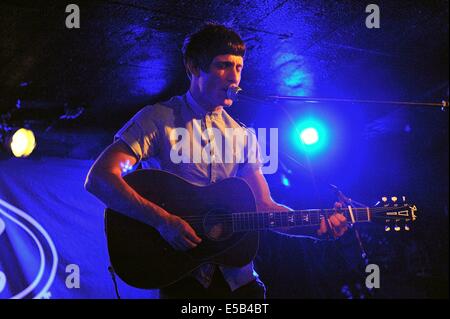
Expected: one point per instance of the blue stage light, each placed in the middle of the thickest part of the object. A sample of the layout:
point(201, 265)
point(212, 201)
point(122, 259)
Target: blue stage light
point(309, 136)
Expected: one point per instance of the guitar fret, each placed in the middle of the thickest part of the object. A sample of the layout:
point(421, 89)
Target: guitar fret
point(299, 218)
point(352, 217)
point(356, 215)
point(317, 216)
point(310, 217)
point(290, 218)
point(248, 221)
point(313, 217)
point(303, 218)
point(296, 219)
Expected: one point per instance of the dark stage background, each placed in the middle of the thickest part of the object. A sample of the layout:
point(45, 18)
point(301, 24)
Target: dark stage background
point(76, 87)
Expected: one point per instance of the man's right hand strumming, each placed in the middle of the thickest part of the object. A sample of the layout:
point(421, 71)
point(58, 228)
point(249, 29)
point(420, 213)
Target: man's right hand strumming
point(178, 233)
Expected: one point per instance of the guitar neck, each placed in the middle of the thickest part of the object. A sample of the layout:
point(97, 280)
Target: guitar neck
point(248, 221)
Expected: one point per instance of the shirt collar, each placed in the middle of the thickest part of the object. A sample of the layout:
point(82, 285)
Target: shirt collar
point(197, 108)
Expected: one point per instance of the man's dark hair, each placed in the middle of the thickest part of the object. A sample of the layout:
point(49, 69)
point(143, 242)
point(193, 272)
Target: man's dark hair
point(202, 46)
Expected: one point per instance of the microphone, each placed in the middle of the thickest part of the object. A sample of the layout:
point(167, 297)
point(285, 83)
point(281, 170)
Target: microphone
point(233, 92)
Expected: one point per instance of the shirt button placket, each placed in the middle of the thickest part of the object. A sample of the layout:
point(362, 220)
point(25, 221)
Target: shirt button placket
point(212, 152)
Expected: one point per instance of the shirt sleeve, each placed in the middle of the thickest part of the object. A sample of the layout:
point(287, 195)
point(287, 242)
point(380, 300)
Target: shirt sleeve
point(140, 134)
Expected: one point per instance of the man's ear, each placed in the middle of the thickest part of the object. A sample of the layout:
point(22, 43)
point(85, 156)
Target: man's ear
point(192, 69)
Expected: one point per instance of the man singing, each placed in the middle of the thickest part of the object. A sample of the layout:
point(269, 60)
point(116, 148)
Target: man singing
point(214, 61)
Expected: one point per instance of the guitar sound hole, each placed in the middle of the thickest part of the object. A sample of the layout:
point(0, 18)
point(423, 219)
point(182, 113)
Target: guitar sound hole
point(218, 225)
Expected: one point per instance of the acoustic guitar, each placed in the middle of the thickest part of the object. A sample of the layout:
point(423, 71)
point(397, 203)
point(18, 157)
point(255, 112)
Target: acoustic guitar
point(223, 214)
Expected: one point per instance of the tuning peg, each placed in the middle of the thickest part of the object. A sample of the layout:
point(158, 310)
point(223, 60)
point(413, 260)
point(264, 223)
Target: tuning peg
point(407, 227)
point(397, 228)
point(387, 228)
point(394, 199)
point(404, 199)
point(384, 200)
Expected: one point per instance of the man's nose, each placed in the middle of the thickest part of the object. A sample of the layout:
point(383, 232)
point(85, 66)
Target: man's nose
point(234, 77)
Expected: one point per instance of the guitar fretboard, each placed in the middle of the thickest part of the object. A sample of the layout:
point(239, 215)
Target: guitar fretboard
point(248, 221)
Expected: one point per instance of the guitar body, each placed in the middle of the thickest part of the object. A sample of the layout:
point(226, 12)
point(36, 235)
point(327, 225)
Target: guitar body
point(143, 259)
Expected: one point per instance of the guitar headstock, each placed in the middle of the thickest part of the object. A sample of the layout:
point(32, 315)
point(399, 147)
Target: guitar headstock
point(396, 212)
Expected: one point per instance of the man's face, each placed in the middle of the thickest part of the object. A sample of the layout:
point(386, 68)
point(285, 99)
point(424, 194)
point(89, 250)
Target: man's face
point(224, 71)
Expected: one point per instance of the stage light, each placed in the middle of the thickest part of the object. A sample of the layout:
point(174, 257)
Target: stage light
point(22, 142)
point(309, 136)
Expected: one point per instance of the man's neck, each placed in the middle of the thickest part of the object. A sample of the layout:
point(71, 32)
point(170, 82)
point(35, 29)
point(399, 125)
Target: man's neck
point(203, 103)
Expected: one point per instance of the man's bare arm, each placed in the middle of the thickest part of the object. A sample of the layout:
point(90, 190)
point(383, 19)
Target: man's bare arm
point(105, 181)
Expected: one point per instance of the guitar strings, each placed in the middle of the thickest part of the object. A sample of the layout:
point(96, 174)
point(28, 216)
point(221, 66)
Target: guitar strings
point(253, 216)
point(357, 210)
point(249, 217)
point(346, 210)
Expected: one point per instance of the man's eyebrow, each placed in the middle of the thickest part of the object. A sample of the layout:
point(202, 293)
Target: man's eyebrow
point(228, 63)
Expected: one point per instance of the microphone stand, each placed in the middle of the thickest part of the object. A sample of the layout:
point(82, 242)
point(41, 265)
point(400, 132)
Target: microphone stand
point(443, 104)
point(352, 203)
point(343, 199)
point(235, 92)
point(364, 256)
